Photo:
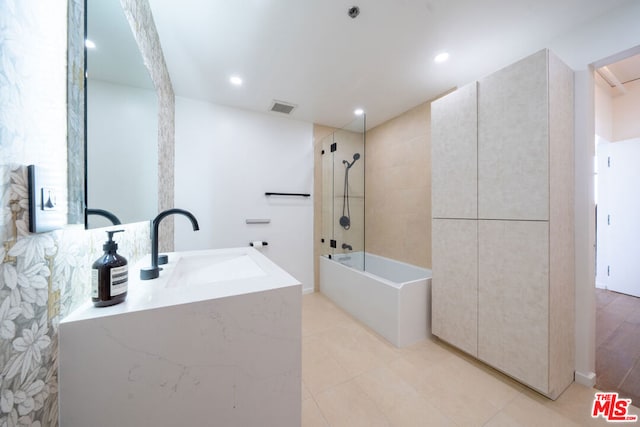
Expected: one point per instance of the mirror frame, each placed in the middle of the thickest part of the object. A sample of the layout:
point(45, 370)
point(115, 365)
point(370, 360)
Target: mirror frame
point(76, 179)
point(84, 118)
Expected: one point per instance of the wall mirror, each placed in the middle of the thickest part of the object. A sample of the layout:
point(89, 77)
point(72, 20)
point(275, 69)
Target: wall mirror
point(122, 122)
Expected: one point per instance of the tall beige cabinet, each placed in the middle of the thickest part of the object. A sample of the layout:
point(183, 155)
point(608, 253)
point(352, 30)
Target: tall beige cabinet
point(502, 227)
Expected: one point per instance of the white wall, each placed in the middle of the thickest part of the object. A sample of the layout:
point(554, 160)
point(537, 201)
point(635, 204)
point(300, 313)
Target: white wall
point(601, 38)
point(617, 113)
point(122, 152)
point(226, 159)
point(603, 108)
point(626, 110)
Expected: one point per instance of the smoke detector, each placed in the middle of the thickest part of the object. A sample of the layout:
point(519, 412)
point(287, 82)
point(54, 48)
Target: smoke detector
point(282, 107)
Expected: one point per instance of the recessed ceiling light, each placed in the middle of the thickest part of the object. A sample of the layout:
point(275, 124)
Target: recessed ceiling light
point(235, 80)
point(89, 44)
point(441, 57)
point(358, 111)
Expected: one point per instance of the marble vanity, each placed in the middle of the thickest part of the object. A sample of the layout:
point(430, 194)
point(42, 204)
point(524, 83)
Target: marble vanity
point(215, 340)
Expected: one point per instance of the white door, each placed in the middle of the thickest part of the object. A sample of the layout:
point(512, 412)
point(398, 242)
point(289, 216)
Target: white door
point(619, 216)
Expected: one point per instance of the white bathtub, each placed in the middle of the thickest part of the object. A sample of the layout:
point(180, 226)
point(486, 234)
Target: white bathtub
point(391, 297)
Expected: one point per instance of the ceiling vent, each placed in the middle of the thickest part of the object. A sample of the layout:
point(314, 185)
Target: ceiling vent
point(282, 107)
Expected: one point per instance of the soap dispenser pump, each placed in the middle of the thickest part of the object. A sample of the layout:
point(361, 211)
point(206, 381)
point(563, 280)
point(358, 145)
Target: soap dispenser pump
point(109, 275)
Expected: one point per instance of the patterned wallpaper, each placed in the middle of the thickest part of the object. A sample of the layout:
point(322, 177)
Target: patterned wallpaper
point(45, 276)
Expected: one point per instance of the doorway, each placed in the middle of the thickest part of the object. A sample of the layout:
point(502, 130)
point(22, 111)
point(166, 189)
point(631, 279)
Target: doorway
point(617, 184)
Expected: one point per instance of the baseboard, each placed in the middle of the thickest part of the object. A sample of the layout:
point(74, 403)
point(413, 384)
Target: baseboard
point(587, 379)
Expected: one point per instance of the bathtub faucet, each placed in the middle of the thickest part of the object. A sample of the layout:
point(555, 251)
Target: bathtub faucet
point(345, 246)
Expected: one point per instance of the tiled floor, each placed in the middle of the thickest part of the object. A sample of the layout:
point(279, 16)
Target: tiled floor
point(353, 377)
point(618, 343)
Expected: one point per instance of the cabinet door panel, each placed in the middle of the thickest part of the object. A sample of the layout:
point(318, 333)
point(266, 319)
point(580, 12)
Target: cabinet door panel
point(454, 286)
point(454, 153)
point(513, 299)
point(513, 142)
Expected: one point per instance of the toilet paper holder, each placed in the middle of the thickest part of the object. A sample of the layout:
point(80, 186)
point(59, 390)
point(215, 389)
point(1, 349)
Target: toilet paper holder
point(263, 243)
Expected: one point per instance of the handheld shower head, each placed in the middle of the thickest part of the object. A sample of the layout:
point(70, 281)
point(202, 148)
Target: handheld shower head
point(345, 220)
point(356, 156)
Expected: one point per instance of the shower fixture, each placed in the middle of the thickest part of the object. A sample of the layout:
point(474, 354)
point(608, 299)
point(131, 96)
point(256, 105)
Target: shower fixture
point(345, 219)
point(355, 157)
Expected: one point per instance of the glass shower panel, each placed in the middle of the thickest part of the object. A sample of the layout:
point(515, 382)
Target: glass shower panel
point(343, 194)
point(348, 194)
point(327, 195)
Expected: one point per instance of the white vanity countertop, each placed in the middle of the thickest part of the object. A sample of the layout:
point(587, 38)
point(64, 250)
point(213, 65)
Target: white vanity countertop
point(233, 271)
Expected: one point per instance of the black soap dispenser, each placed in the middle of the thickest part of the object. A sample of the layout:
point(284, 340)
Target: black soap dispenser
point(109, 275)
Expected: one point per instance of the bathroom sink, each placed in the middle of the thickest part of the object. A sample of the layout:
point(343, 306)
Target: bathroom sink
point(194, 276)
point(218, 332)
point(212, 268)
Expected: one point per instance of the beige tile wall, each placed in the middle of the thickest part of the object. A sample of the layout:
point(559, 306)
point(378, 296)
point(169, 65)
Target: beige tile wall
point(398, 188)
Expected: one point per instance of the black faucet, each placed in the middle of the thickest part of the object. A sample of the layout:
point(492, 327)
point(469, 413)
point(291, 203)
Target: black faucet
point(105, 213)
point(154, 271)
point(346, 246)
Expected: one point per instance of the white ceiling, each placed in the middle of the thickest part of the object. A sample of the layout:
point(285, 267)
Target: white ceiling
point(312, 54)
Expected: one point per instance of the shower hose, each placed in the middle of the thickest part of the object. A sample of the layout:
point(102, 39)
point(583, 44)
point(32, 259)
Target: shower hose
point(345, 220)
